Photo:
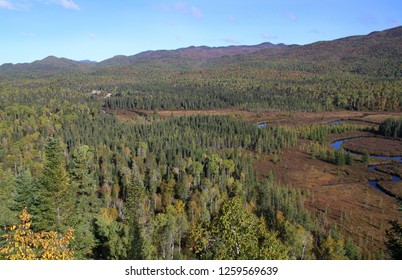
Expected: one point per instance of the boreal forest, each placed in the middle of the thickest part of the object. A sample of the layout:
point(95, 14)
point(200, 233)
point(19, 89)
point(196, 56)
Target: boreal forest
point(242, 152)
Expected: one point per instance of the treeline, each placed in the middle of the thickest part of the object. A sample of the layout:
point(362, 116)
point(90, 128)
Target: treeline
point(260, 91)
point(255, 84)
point(320, 132)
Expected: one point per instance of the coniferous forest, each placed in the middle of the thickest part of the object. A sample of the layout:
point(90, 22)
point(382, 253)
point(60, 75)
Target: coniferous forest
point(90, 168)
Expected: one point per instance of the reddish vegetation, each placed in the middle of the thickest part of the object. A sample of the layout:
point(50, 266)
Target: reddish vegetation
point(343, 193)
point(360, 211)
point(394, 187)
point(375, 146)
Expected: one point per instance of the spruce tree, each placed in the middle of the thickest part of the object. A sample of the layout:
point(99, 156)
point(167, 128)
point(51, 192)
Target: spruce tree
point(86, 203)
point(136, 216)
point(24, 192)
point(54, 197)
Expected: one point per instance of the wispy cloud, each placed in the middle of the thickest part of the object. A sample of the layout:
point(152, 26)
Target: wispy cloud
point(291, 16)
point(196, 13)
point(185, 9)
point(4, 4)
point(68, 4)
point(92, 36)
point(182, 8)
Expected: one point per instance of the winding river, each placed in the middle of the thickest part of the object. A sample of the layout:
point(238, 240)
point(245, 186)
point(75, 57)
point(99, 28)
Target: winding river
point(337, 146)
point(337, 122)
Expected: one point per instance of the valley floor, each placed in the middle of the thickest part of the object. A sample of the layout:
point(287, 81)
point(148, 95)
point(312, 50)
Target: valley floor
point(341, 193)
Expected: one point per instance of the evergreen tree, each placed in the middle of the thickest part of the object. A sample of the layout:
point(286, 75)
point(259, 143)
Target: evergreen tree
point(137, 217)
point(394, 242)
point(86, 204)
point(366, 158)
point(7, 216)
point(394, 238)
point(24, 192)
point(54, 197)
point(348, 159)
point(352, 251)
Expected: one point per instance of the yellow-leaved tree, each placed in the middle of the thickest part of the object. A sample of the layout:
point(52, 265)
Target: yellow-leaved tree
point(24, 244)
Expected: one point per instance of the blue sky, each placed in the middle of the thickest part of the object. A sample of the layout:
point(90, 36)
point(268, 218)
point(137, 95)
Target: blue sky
point(96, 30)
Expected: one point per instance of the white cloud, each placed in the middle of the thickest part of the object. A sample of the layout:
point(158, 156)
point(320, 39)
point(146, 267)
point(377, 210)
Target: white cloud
point(26, 4)
point(68, 4)
point(4, 4)
point(92, 36)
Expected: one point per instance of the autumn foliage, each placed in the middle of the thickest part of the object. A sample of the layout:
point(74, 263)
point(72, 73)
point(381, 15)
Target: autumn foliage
point(24, 244)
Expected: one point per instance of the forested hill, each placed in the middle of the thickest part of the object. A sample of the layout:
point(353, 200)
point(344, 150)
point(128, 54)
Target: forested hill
point(50, 64)
point(200, 54)
point(192, 54)
point(355, 73)
point(377, 54)
point(361, 51)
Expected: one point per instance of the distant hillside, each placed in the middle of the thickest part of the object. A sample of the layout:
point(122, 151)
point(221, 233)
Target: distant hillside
point(192, 54)
point(201, 53)
point(48, 65)
point(376, 54)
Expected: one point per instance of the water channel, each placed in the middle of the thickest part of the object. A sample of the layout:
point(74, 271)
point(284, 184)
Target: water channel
point(337, 145)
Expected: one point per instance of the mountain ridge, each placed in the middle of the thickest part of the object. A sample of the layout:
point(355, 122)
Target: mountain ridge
point(378, 43)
